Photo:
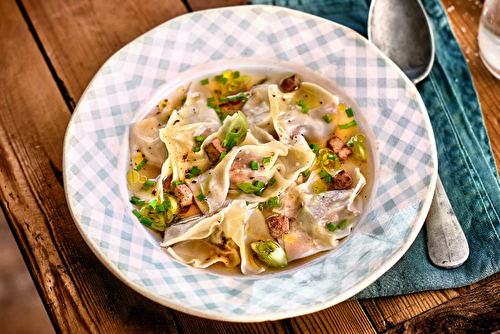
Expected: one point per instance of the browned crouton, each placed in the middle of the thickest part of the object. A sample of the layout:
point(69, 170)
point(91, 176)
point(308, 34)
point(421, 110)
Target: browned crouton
point(278, 225)
point(289, 84)
point(214, 150)
point(339, 147)
point(341, 180)
point(231, 107)
point(184, 195)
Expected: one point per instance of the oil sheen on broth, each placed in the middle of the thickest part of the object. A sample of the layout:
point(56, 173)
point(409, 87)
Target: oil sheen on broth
point(252, 171)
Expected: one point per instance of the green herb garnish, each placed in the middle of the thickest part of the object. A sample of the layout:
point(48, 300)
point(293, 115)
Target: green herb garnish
point(348, 125)
point(342, 223)
point(141, 164)
point(254, 165)
point(303, 105)
point(331, 227)
point(327, 119)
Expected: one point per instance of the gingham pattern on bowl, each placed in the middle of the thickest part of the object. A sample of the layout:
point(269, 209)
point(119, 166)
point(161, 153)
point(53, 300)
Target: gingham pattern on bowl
point(404, 153)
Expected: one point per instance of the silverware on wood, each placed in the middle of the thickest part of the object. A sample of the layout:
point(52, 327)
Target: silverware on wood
point(401, 30)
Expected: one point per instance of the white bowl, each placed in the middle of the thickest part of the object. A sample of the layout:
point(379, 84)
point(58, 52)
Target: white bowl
point(386, 102)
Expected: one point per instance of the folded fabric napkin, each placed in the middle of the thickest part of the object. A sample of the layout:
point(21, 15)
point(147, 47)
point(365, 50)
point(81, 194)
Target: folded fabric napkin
point(466, 164)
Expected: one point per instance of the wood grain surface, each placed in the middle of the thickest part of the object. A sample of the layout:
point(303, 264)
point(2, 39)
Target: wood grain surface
point(50, 51)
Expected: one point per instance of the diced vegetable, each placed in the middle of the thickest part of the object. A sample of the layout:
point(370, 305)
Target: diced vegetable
point(331, 226)
point(357, 145)
point(141, 164)
point(328, 161)
point(303, 105)
point(348, 125)
point(270, 252)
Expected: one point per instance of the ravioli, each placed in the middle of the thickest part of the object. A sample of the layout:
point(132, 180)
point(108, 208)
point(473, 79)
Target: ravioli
point(246, 168)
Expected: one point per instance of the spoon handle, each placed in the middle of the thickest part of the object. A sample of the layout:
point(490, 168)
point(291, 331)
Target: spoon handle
point(446, 243)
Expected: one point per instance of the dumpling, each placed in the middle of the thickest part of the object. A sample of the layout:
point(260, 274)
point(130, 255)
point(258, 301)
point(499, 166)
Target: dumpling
point(309, 233)
point(290, 120)
point(224, 237)
point(230, 179)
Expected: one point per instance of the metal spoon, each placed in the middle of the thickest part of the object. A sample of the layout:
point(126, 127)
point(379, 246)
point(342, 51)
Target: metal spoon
point(401, 30)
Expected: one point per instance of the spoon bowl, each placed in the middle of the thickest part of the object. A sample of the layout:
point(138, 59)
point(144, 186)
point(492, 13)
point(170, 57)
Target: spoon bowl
point(400, 29)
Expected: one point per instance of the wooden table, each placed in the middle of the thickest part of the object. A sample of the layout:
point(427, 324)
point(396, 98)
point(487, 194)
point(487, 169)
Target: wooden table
point(50, 50)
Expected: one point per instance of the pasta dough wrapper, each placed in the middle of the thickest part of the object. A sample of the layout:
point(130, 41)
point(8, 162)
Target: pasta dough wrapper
point(224, 237)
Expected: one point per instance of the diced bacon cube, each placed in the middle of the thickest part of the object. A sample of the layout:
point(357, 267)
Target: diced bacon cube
point(278, 225)
point(184, 195)
point(214, 150)
point(339, 147)
point(341, 180)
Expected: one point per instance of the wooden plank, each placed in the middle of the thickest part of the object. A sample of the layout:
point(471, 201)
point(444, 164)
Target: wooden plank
point(195, 325)
point(477, 311)
point(464, 17)
point(79, 293)
point(344, 318)
point(195, 5)
point(79, 36)
point(390, 311)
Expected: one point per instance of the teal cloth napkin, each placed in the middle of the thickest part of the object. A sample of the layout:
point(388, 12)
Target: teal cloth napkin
point(466, 164)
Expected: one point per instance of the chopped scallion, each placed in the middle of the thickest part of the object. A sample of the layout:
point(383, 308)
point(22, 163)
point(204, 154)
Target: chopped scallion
point(348, 125)
point(183, 100)
point(234, 134)
point(306, 173)
point(327, 119)
point(212, 105)
point(152, 204)
point(137, 214)
point(150, 182)
point(274, 201)
point(236, 74)
point(271, 181)
point(135, 200)
point(222, 155)
point(197, 149)
point(224, 80)
point(141, 164)
point(326, 176)
point(219, 77)
point(204, 82)
point(331, 227)
point(176, 183)
point(342, 223)
point(160, 208)
point(303, 105)
point(201, 197)
point(314, 147)
point(266, 160)
point(331, 157)
point(261, 81)
point(248, 188)
point(349, 112)
point(146, 221)
point(254, 165)
point(223, 99)
point(195, 170)
point(259, 184)
point(210, 99)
